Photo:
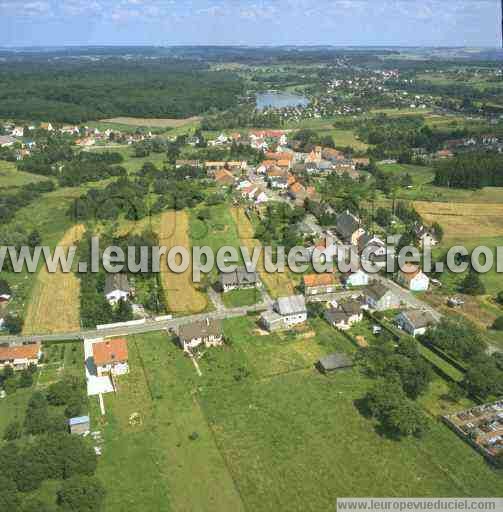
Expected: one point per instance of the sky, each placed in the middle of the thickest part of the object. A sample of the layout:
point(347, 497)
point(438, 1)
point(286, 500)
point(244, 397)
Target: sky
point(472, 23)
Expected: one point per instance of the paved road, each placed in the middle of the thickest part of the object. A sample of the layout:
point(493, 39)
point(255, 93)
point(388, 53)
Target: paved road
point(149, 326)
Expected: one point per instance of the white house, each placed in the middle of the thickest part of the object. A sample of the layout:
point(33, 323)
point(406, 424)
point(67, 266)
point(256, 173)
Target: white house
point(117, 288)
point(18, 131)
point(415, 322)
point(111, 357)
point(412, 278)
point(288, 312)
point(358, 278)
point(207, 332)
point(345, 315)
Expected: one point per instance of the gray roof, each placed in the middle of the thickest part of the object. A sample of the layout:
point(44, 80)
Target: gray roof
point(291, 305)
point(367, 239)
point(116, 282)
point(80, 420)
point(201, 329)
point(419, 319)
point(335, 361)
point(240, 276)
point(377, 291)
point(270, 317)
point(343, 312)
point(347, 224)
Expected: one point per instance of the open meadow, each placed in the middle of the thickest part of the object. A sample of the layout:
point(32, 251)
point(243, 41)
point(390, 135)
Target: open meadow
point(152, 122)
point(262, 430)
point(182, 296)
point(54, 301)
point(11, 178)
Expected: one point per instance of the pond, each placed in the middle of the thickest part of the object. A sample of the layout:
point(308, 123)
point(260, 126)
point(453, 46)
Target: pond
point(280, 100)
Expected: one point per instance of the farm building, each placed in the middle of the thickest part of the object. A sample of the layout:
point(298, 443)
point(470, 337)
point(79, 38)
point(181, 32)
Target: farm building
point(20, 357)
point(207, 332)
point(111, 357)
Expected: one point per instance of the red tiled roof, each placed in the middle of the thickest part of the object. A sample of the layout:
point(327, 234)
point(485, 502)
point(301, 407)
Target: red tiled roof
point(319, 280)
point(110, 351)
point(30, 351)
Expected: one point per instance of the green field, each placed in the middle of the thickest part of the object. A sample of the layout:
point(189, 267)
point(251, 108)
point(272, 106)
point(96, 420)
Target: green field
point(11, 178)
point(238, 298)
point(263, 430)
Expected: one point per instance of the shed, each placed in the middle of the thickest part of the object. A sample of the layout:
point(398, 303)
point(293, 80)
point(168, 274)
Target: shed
point(332, 362)
point(79, 425)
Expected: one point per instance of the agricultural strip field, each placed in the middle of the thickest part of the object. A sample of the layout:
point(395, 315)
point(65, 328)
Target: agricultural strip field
point(55, 298)
point(151, 122)
point(278, 284)
point(181, 294)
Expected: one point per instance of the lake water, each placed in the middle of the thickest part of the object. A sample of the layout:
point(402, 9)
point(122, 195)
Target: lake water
point(280, 100)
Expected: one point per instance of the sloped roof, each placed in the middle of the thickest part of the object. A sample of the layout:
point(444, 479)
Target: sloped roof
point(418, 319)
point(28, 351)
point(240, 276)
point(335, 361)
point(110, 351)
point(319, 280)
point(377, 291)
point(347, 224)
point(202, 328)
point(291, 305)
point(116, 282)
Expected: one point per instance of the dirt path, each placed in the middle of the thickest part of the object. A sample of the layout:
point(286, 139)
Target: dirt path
point(55, 299)
point(181, 294)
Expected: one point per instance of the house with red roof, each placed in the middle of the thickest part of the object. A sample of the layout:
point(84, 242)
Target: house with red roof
point(20, 357)
point(111, 357)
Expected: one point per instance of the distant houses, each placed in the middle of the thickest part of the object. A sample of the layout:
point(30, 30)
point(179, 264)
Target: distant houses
point(207, 332)
point(111, 357)
point(240, 279)
point(19, 357)
point(117, 288)
point(287, 312)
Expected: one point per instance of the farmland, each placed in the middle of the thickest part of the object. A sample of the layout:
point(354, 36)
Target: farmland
point(152, 122)
point(256, 428)
point(181, 293)
point(10, 177)
point(54, 302)
point(277, 283)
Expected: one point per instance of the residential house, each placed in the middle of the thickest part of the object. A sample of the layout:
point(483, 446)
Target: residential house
point(356, 279)
point(333, 155)
point(188, 163)
point(117, 288)
point(318, 286)
point(349, 227)
point(111, 357)
point(287, 312)
point(372, 245)
point(206, 332)
point(361, 162)
point(224, 178)
point(325, 250)
point(444, 153)
point(425, 236)
point(80, 425)
point(7, 141)
point(19, 357)
point(235, 167)
point(381, 298)
point(17, 131)
point(415, 322)
point(46, 126)
point(412, 278)
point(277, 177)
point(254, 193)
point(333, 362)
point(345, 315)
point(240, 279)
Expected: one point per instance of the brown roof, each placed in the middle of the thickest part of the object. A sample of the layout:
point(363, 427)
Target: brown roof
point(110, 351)
point(29, 351)
point(319, 280)
point(279, 156)
point(224, 176)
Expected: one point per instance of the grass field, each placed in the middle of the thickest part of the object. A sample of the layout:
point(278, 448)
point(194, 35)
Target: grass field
point(239, 298)
point(155, 465)
point(181, 294)
point(54, 302)
point(10, 177)
point(278, 284)
point(262, 430)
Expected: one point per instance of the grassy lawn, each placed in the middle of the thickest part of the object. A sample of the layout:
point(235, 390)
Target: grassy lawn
point(13, 407)
point(238, 298)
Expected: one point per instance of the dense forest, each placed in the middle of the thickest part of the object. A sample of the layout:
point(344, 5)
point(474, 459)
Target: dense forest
point(470, 171)
point(77, 91)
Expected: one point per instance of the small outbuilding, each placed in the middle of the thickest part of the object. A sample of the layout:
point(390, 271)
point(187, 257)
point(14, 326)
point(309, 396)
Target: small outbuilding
point(79, 425)
point(333, 362)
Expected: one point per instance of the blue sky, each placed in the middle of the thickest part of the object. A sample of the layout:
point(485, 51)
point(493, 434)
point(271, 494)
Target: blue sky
point(253, 22)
